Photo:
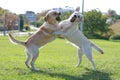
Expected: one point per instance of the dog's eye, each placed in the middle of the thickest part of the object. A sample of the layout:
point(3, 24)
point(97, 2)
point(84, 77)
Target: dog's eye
point(75, 16)
point(59, 13)
point(78, 16)
point(55, 13)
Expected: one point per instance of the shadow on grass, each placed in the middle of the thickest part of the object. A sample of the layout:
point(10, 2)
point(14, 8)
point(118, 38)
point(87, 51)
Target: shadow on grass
point(89, 75)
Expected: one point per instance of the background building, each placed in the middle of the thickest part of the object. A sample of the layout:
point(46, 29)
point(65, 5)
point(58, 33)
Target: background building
point(31, 16)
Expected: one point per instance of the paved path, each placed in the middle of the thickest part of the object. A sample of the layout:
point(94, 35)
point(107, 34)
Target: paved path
point(21, 33)
point(18, 33)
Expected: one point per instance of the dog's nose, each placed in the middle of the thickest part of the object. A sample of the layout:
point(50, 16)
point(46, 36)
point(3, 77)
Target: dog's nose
point(75, 16)
point(59, 13)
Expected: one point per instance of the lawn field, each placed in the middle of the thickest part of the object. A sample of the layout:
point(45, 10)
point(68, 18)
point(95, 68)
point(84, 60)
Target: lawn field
point(57, 61)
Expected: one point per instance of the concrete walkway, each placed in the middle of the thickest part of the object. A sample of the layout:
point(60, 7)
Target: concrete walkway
point(18, 33)
point(21, 33)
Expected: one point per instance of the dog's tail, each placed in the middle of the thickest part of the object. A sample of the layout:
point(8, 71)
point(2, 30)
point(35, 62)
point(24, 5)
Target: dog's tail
point(13, 40)
point(97, 48)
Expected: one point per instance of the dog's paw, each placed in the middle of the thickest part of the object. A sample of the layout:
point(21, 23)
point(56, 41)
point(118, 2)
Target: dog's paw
point(35, 69)
point(77, 65)
point(94, 69)
point(27, 65)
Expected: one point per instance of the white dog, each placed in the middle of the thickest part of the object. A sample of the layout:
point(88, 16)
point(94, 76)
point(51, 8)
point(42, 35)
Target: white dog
point(39, 38)
point(71, 32)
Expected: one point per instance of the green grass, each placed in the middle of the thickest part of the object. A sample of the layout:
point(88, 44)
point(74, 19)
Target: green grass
point(57, 61)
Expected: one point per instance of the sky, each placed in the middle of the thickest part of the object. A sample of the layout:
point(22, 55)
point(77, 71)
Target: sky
point(21, 6)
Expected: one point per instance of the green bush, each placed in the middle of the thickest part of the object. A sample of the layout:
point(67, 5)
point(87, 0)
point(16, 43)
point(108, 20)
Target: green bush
point(27, 28)
point(95, 36)
point(40, 22)
point(114, 37)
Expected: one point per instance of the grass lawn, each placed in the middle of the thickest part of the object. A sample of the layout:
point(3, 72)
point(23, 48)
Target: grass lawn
point(57, 61)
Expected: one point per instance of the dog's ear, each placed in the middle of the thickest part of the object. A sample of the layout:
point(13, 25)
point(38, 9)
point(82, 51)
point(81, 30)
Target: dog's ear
point(46, 17)
point(77, 9)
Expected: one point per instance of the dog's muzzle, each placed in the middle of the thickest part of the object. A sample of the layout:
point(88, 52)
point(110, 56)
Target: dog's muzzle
point(73, 18)
point(58, 18)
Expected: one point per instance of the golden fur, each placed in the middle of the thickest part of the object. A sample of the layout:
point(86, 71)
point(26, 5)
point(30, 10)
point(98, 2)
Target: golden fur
point(39, 38)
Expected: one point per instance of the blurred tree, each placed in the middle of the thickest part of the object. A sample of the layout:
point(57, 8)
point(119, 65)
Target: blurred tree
point(112, 16)
point(21, 21)
point(111, 13)
point(65, 15)
point(8, 19)
point(40, 22)
point(95, 22)
point(11, 21)
point(40, 18)
point(26, 23)
point(41, 14)
point(1, 16)
point(1, 11)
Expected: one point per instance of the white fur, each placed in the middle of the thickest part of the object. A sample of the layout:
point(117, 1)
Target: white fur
point(71, 32)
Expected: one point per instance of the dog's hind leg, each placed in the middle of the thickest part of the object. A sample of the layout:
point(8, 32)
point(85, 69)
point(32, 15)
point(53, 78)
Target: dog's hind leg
point(27, 59)
point(79, 53)
point(88, 52)
point(35, 54)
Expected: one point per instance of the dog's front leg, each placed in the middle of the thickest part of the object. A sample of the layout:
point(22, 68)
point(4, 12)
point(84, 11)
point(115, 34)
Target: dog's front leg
point(80, 54)
point(60, 33)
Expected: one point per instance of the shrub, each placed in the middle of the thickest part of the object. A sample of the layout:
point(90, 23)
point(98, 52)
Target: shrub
point(114, 37)
point(27, 28)
point(95, 36)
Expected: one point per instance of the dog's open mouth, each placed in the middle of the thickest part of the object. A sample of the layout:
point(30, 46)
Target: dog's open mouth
point(73, 19)
point(58, 18)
